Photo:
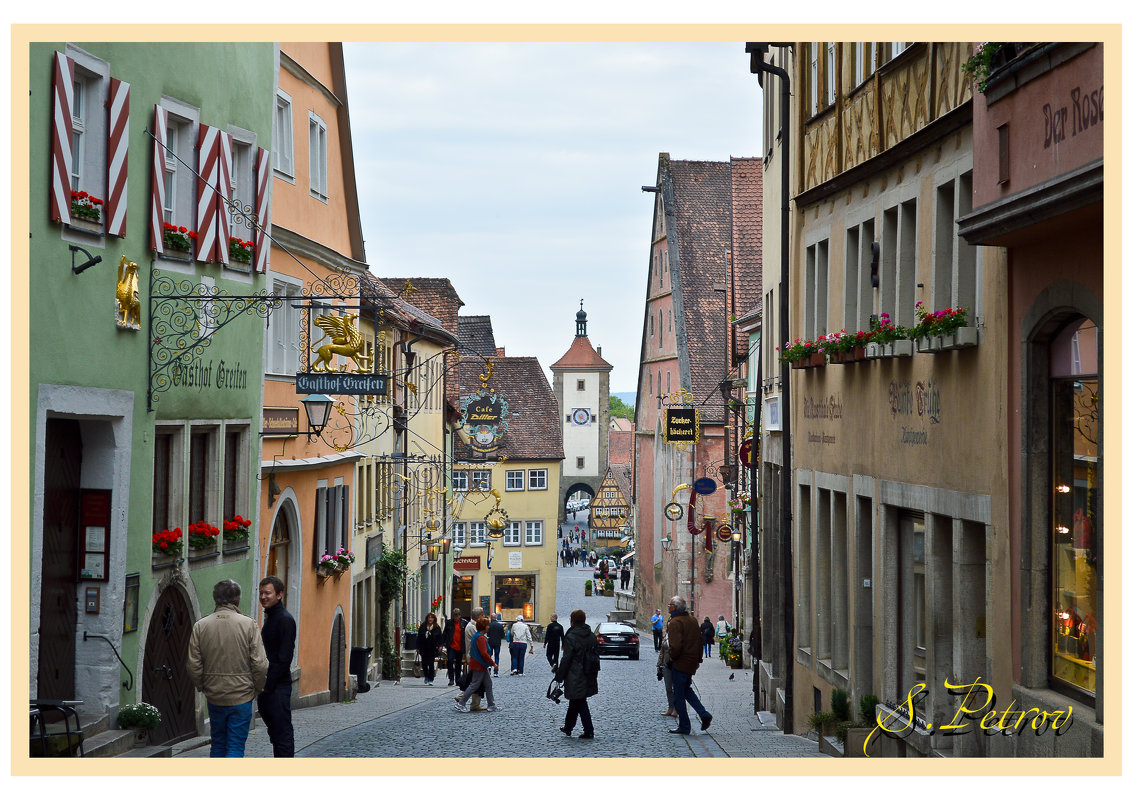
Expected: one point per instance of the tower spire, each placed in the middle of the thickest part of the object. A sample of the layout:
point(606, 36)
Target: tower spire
point(581, 321)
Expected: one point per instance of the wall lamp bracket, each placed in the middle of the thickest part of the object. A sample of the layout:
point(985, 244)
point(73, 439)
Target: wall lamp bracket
point(90, 262)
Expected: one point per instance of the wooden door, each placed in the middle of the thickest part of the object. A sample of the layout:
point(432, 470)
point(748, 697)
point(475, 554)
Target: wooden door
point(59, 602)
point(338, 666)
point(165, 680)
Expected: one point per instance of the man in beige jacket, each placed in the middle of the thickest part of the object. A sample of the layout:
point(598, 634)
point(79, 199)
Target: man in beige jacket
point(228, 664)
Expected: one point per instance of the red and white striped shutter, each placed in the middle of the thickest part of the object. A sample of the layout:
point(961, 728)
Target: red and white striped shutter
point(157, 187)
point(117, 145)
point(260, 228)
point(223, 193)
point(208, 157)
point(62, 132)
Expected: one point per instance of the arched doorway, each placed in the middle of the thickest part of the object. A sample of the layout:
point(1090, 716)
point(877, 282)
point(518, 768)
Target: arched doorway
point(336, 681)
point(165, 680)
point(279, 548)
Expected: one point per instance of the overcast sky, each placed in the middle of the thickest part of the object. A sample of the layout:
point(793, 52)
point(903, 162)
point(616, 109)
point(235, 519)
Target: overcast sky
point(515, 171)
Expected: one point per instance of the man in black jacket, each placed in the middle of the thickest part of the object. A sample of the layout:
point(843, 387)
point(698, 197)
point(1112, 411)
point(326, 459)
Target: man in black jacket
point(552, 637)
point(495, 638)
point(278, 635)
point(454, 641)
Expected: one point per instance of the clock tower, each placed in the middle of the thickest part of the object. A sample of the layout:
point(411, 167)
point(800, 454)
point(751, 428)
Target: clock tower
point(581, 381)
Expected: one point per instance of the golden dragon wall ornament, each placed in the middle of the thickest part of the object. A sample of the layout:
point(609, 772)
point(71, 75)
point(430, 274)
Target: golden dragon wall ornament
point(346, 341)
point(128, 315)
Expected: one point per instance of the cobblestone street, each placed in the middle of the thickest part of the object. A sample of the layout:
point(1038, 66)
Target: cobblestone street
point(403, 720)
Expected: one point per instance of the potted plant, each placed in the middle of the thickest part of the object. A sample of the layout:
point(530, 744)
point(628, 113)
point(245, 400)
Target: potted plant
point(166, 543)
point(987, 57)
point(203, 537)
point(142, 718)
point(845, 347)
point(236, 530)
point(853, 735)
point(344, 559)
point(587, 587)
point(887, 339)
point(239, 250)
point(608, 587)
point(85, 211)
point(804, 353)
point(944, 329)
point(328, 566)
point(176, 239)
point(822, 723)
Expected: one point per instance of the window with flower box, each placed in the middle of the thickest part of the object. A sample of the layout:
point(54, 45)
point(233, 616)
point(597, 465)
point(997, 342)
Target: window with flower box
point(332, 518)
point(202, 473)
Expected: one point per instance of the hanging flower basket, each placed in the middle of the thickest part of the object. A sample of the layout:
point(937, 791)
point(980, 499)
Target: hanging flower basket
point(343, 559)
point(326, 569)
point(809, 361)
point(855, 354)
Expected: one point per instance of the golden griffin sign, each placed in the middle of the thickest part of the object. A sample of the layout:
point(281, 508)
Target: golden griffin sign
point(346, 341)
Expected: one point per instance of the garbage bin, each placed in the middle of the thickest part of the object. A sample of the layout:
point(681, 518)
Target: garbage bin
point(359, 661)
point(410, 641)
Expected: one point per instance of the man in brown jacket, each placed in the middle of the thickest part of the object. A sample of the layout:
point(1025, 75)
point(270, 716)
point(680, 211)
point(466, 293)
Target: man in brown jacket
point(228, 664)
point(684, 657)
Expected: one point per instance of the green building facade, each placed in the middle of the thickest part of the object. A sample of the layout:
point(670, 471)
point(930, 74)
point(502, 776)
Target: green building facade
point(145, 381)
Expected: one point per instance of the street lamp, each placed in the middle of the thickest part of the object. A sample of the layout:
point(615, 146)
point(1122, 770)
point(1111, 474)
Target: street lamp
point(666, 543)
point(318, 413)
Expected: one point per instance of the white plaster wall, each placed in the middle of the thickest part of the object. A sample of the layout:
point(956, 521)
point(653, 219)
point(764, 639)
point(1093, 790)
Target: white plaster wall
point(581, 440)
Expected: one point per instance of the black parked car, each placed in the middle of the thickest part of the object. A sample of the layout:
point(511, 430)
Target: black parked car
point(617, 639)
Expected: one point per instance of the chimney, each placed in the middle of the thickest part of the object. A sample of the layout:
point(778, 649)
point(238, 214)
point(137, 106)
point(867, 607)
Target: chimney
point(600, 351)
point(500, 353)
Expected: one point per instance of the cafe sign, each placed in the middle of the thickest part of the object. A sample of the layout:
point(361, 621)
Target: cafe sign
point(485, 418)
point(682, 425)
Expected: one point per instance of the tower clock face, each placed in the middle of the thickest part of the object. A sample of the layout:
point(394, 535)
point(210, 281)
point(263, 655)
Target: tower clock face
point(581, 417)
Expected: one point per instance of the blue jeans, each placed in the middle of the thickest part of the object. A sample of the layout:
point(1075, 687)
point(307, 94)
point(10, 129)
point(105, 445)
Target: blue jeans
point(708, 649)
point(519, 650)
point(228, 728)
point(683, 691)
point(496, 658)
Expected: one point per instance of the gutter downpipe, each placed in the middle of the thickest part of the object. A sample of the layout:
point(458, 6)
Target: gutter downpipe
point(759, 66)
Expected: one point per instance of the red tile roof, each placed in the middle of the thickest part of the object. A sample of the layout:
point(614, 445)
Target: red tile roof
point(582, 355)
point(533, 432)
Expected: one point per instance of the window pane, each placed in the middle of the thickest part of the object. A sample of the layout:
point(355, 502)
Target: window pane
point(162, 445)
point(198, 466)
point(1077, 529)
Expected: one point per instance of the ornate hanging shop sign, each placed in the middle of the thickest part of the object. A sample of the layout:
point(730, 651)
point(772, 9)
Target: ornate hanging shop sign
point(484, 416)
point(682, 425)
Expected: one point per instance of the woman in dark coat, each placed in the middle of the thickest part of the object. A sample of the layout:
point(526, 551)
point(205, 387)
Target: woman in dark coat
point(578, 684)
point(429, 639)
point(707, 634)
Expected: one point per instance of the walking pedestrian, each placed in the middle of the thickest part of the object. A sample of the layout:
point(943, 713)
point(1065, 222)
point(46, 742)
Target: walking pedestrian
point(453, 637)
point(495, 638)
point(707, 633)
point(480, 660)
point(552, 636)
point(684, 658)
point(657, 625)
point(278, 636)
point(625, 576)
point(521, 642)
point(227, 663)
point(429, 640)
point(470, 632)
point(722, 630)
point(578, 670)
point(665, 674)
